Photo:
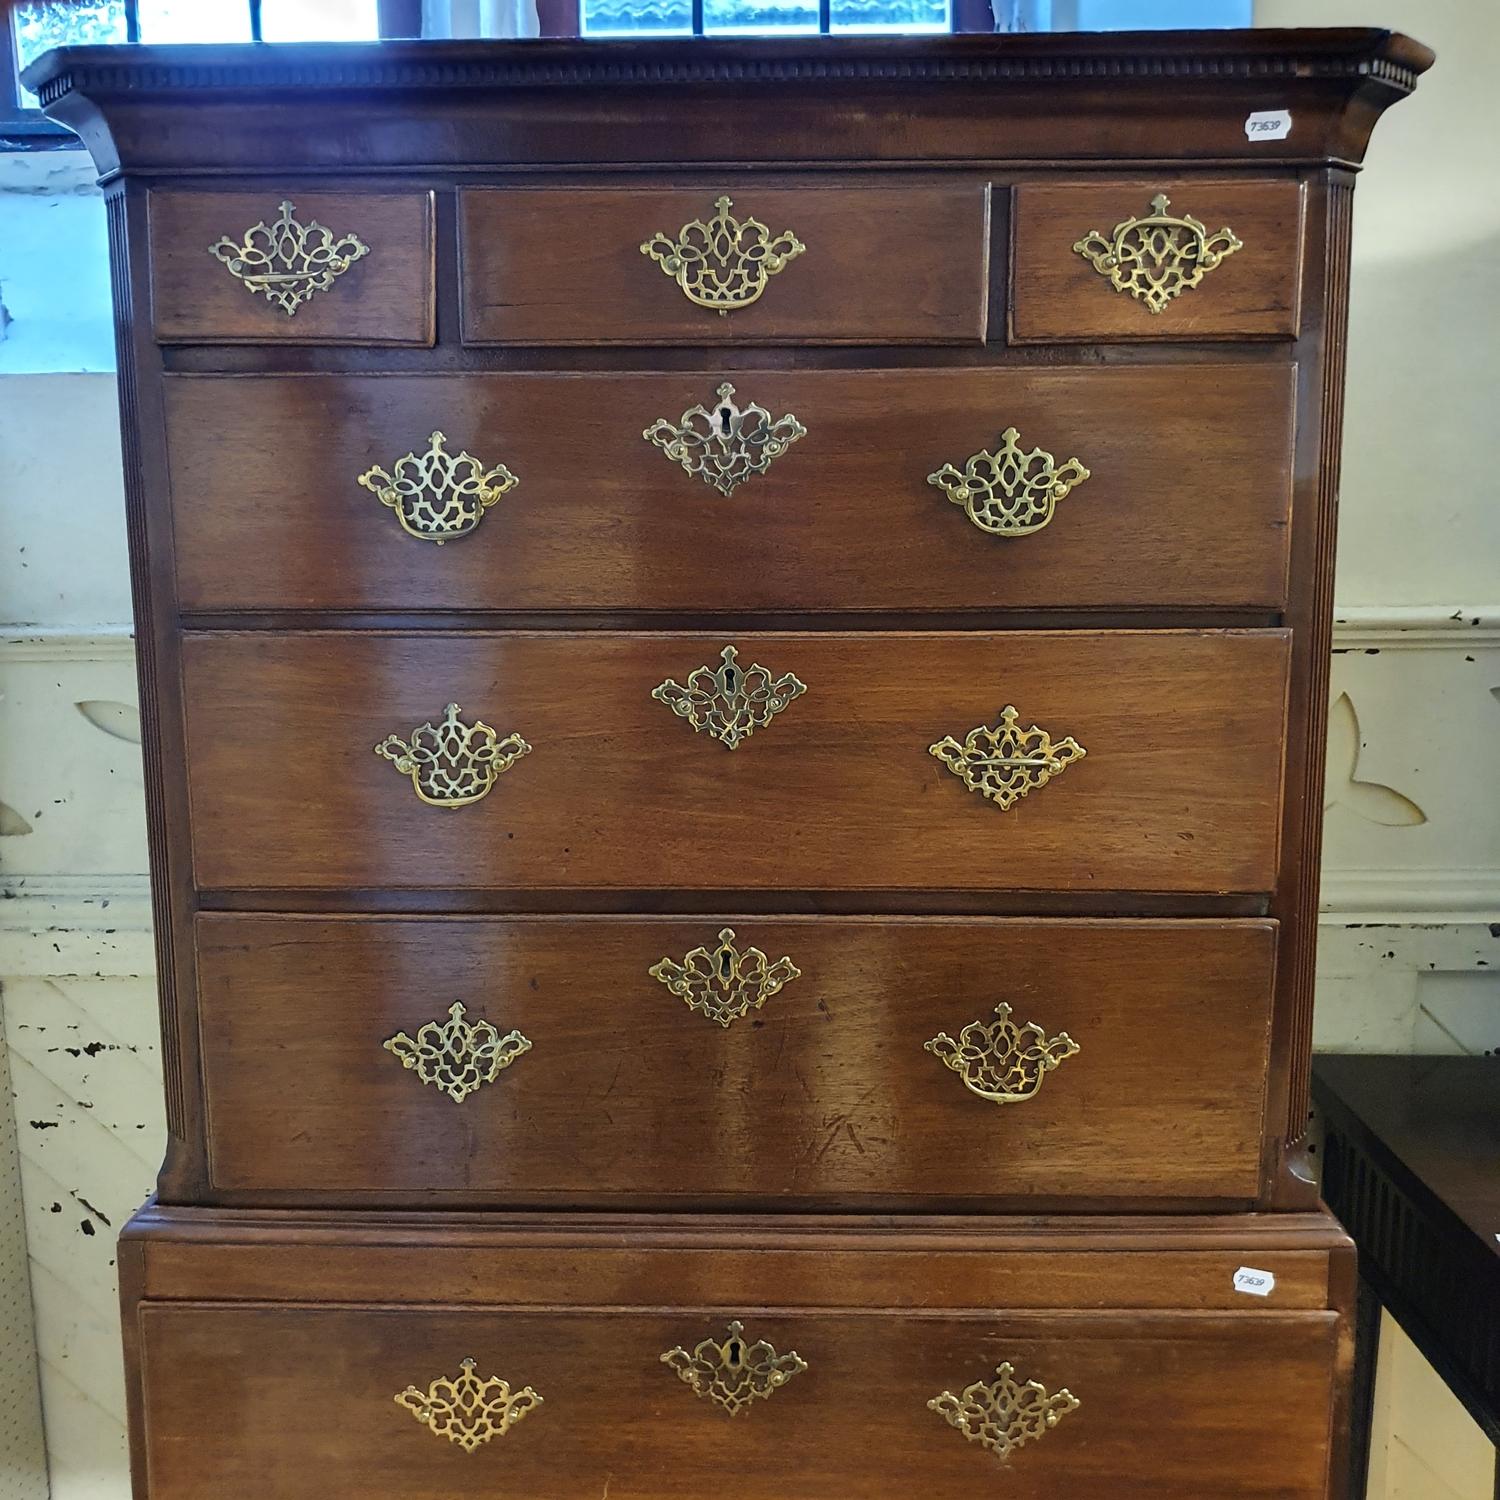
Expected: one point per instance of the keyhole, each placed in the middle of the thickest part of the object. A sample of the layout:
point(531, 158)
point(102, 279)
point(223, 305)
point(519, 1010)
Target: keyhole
point(726, 966)
point(735, 1351)
point(723, 416)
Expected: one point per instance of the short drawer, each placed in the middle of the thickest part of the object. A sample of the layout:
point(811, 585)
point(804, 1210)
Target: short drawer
point(748, 263)
point(687, 1062)
point(292, 267)
point(384, 1397)
point(1048, 761)
point(1155, 259)
point(899, 490)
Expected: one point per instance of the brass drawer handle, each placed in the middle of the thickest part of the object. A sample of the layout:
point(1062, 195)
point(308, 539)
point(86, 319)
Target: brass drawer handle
point(1009, 492)
point(725, 446)
point(725, 983)
point(287, 262)
point(438, 495)
point(729, 702)
point(466, 1410)
point(452, 764)
point(457, 1056)
point(1002, 1415)
point(1158, 256)
point(734, 1373)
point(1005, 763)
point(723, 263)
point(1000, 1061)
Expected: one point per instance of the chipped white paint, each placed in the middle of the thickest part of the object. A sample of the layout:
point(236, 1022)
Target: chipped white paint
point(23, 1454)
point(86, 1077)
point(1401, 987)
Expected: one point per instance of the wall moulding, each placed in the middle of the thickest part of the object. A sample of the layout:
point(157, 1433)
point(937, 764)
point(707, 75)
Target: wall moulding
point(1415, 627)
point(92, 643)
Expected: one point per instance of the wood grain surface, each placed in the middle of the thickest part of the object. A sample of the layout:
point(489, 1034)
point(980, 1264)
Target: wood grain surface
point(1186, 503)
point(1056, 294)
point(1179, 790)
point(385, 297)
point(881, 265)
point(822, 1096)
point(304, 1400)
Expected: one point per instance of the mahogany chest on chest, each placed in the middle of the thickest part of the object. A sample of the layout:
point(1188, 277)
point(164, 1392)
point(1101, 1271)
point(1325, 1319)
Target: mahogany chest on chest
point(733, 642)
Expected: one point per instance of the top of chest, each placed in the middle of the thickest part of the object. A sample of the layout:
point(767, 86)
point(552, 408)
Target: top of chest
point(955, 190)
point(1041, 99)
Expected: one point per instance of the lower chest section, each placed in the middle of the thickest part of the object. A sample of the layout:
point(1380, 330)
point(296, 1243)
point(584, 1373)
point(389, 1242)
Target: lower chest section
point(649, 1361)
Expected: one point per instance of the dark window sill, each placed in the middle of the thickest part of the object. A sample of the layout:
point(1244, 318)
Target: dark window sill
point(31, 131)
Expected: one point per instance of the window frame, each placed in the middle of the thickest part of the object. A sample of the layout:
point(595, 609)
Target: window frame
point(24, 128)
point(564, 18)
point(27, 129)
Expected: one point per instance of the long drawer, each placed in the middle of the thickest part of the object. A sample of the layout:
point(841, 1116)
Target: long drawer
point(1185, 500)
point(1065, 761)
point(684, 1062)
point(1114, 1360)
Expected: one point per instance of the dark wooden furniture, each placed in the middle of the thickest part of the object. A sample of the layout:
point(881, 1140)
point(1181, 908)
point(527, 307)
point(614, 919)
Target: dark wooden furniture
point(733, 640)
point(1411, 1166)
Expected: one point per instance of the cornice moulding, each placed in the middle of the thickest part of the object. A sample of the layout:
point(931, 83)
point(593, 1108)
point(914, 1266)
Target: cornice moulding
point(1302, 56)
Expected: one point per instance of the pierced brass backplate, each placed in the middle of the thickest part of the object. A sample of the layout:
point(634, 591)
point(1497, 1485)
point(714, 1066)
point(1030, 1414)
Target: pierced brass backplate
point(729, 702)
point(722, 262)
point(725, 983)
point(457, 1057)
point(286, 261)
point(469, 1411)
point(452, 764)
point(438, 495)
point(1009, 492)
point(1158, 256)
point(1000, 1061)
point(1003, 1415)
point(734, 1373)
point(724, 446)
point(1005, 763)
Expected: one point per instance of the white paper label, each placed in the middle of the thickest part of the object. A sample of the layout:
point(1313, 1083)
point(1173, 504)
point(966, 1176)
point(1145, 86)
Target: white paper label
point(1254, 1283)
point(1268, 125)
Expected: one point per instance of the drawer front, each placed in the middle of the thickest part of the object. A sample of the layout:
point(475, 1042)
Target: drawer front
point(291, 267)
point(1149, 259)
point(829, 761)
point(737, 263)
point(307, 1402)
point(1185, 500)
point(793, 1061)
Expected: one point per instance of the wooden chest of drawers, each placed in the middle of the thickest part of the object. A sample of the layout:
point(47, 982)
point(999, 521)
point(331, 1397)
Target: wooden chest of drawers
point(733, 640)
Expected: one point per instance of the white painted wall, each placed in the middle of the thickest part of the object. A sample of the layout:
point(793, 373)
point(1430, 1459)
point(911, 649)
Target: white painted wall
point(1413, 837)
point(80, 1042)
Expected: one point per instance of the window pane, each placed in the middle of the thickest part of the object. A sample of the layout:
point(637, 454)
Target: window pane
point(1120, 15)
point(319, 21)
point(194, 21)
point(890, 15)
point(41, 25)
point(637, 17)
point(759, 17)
